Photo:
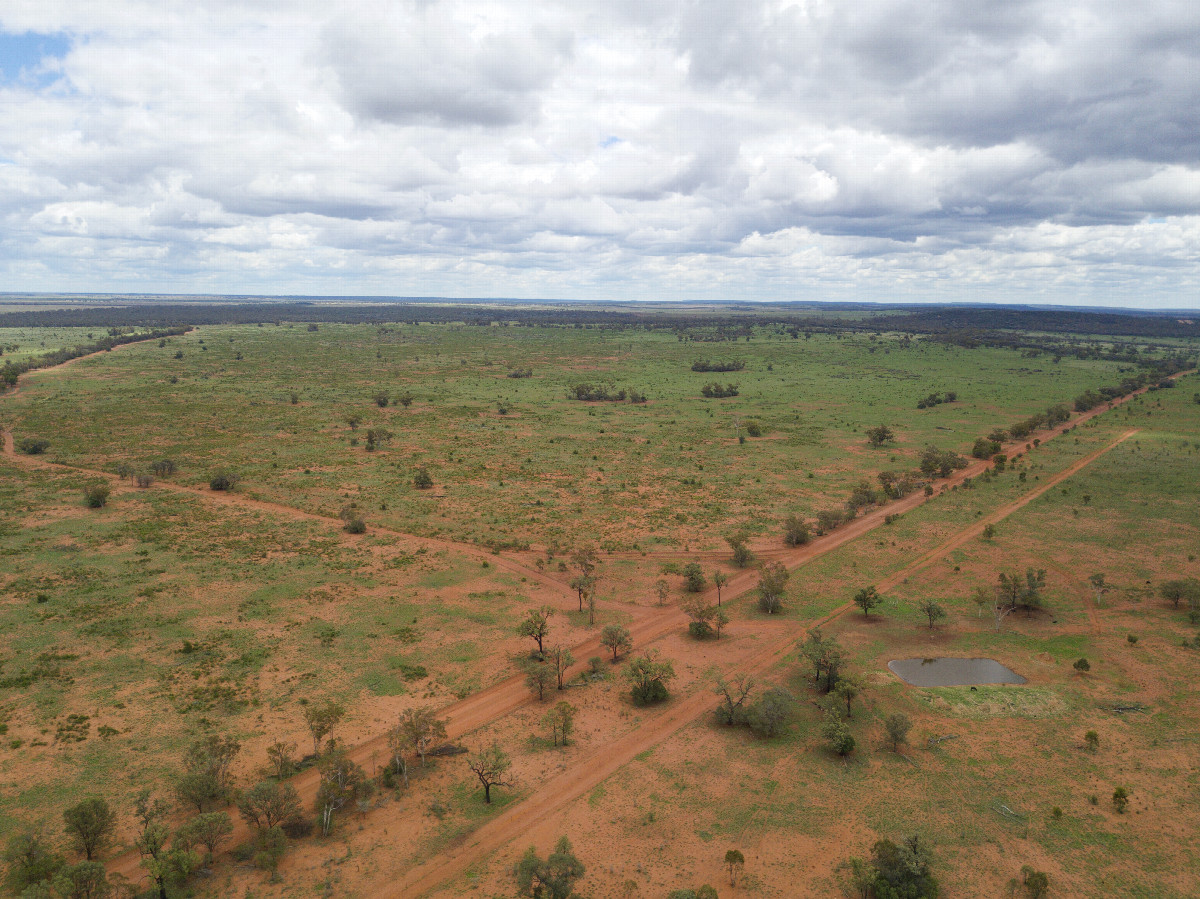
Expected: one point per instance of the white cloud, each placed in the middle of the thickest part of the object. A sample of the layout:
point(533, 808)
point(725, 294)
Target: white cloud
point(909, 149)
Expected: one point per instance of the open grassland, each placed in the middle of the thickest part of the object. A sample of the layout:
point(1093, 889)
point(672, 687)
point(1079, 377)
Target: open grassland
point(22, 344)
point(515, 462)
point(174, 612)
point(163, 618)
point(985, 797)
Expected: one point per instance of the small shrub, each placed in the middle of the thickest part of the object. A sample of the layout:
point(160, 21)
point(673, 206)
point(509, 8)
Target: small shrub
point(718, 391)
point(1082, 665)
point(96, 496)
point(223, 480)
point(701, 630)
point(588, 392)
point(1120, 800)
point(422, 480)
point(650, 693)
point(33, 446)
point(164, 467)
point(355, 525)
point(694, 580)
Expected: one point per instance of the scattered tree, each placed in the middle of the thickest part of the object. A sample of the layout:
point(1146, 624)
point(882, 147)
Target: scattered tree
point(422, 479)
point(719, 620)
point(584, 586)
point(835, 731)
point(561, 721)
point(903, 870)
point(796, 531)
point(1091, 740)
point(1021, 592)
point(281, 756)
point(420, 729)
point(880, 435)
point(734, 862)
point(649, 678)
point(1082, 666)
point(96, 496)
point(560, 659)
point(223, 480)
point(769, 715)
point(270, 848)
point(269, 803)
point(207, 771)
point(491, 766)
point(827, 658)
point(662, 590)
point(89, 826)
point(1037, 883)
point(701, 613)
point(29, 861)
point(738, 542)
point(867, 598)
point(538, 676)
point(164, 467)
point(85, 880)
point(772, 585)
point(1182, 590)
point(617, 639)
point(849, 687)
point(162, 864)
point(552, 878)
point(322, 718)
point(897, 725)
point(734, 695)
point(1120, 800)
point(342, 783)
point(585, 560)
point(209, 830)
point(536, 626)
point(693, 577)
point(932, 611)
point(719, 579)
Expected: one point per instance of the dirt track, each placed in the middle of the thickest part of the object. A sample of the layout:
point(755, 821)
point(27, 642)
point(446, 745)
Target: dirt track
point(650, 624)
point(558, 792)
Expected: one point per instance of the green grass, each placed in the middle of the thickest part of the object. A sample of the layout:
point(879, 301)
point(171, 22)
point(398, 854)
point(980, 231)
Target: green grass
point(551, 470)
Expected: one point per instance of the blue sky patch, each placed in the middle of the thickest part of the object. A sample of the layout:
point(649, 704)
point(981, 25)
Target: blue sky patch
point(23, 52)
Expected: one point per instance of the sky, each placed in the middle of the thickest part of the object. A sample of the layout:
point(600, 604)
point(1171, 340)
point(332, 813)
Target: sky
point(1027, 151)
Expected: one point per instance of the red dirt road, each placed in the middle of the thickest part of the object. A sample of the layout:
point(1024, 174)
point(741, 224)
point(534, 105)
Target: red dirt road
point(556, 793)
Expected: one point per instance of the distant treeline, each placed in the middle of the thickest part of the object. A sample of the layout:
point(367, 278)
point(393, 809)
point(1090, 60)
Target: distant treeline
point(965, 326)
point(10, 371)
point(944, 320)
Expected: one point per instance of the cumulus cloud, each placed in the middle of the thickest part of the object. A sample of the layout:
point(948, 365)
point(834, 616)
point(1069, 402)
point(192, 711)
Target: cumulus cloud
point(773, 149)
